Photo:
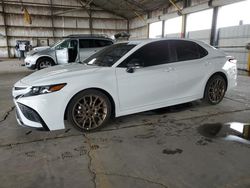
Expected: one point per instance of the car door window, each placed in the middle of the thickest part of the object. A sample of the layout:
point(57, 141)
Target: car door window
point(85, 43)
point(110, 55)
point(155, 53)
point(73, 44)
point(187, 50)
point(64, 44)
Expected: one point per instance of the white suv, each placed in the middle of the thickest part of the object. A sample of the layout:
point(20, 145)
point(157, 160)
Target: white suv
point(73, 48)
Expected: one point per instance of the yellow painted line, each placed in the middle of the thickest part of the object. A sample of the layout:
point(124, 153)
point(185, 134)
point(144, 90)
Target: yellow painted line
point(248, 63)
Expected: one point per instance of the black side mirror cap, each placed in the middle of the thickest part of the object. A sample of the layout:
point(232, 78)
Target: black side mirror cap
point(130, 70)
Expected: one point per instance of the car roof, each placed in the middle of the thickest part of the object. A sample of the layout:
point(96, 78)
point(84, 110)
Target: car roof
point(159, 39)
point(146, 41)
point(89, 36)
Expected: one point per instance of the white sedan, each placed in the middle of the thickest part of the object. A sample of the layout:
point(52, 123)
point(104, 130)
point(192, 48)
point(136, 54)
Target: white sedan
point(124, 78)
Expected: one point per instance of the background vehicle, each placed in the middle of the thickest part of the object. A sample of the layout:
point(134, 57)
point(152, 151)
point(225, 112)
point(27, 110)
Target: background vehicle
point(72, 48)
point(122, 79)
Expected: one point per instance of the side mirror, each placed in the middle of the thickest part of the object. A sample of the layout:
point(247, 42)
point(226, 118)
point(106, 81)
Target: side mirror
point(59, 48)
point(133, 64)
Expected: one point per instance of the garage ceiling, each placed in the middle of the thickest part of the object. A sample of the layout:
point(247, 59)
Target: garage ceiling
point(130, 8)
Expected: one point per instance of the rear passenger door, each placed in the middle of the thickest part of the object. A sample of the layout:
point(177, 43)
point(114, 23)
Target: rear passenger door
point(191, 67)
point(86, 48)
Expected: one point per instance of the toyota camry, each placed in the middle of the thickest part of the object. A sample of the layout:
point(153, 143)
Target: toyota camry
point(122, 79)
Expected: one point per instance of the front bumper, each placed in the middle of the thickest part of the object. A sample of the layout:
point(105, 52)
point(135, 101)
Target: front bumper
point(30, 62)
point(45, 111)
point(28, 117)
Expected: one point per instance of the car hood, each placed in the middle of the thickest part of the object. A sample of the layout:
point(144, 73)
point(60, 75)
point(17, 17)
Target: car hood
point(58, 73)
point(37, 49)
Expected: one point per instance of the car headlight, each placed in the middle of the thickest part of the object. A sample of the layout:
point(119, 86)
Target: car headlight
point(38, 90)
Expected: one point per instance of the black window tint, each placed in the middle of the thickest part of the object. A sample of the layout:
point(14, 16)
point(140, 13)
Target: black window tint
point(202, 51)
point(85, 43)
point(187, 50)
point(102, 43)
point(73, 44)
point(155, 53)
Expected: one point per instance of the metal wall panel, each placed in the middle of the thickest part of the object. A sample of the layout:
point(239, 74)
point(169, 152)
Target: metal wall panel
point(202, 35)
point(138, 28)
point(139, 33)
point(64, 32)
point(233, 40)
point(109, 24)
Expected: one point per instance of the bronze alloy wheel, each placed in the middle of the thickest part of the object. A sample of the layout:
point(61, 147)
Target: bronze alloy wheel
point(89, 110)
point(215, 89)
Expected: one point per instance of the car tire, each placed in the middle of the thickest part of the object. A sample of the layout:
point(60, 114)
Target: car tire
point(215, 89)
point(44, 63)
point(89, 110)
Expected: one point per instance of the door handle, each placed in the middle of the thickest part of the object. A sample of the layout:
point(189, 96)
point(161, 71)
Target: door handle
point(207, 63)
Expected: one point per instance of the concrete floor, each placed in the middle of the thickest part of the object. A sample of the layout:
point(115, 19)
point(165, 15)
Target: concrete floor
point(161, 148)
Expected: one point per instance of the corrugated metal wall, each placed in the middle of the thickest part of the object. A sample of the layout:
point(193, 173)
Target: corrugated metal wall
point(43, 24)
point(233, 41)
point(202, 35)
point(138, 28)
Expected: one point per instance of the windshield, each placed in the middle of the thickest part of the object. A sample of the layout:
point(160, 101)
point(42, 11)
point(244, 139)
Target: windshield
point(57, 43)
point(109, 55)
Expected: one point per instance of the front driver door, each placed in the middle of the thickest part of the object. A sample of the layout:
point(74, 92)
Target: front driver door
point(152, 83)
point(62, 55)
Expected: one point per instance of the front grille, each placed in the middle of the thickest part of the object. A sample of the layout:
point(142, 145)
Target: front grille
point(29, 113)
point(19, 88)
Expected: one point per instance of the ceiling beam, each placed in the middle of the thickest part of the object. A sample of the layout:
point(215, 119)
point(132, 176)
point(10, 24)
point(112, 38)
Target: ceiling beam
point(105, 9)
point(136, 4)
point(42, 4)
